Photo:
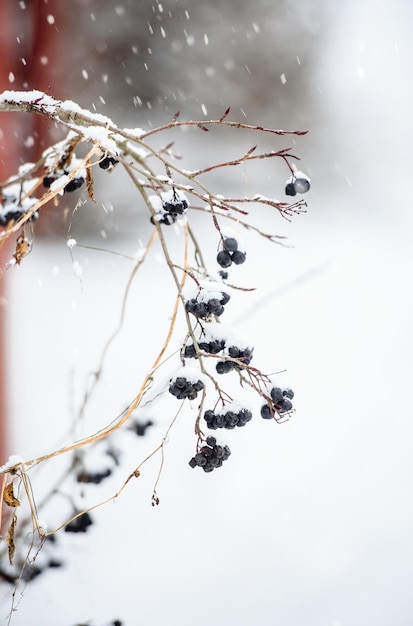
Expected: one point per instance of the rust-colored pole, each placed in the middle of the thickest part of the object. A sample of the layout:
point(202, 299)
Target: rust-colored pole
point(32, 51)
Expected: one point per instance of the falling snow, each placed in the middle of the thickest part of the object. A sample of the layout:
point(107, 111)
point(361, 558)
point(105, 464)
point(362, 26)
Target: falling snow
point(77, 269)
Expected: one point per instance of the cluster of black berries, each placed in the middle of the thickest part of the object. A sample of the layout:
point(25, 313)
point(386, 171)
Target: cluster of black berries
point(210, 456)
point(140, 428)
point(79, 524)
point(183, 389)
point(23, 571)
point(96, 476)
point(203, 306)
point(230, 253)
point(15, 203)
point(228, 419)
point(177, 206)
point(93, 477)
point(13, 211)
point(108, 163)
point(171, 209)
point(281, 402)
point(242, 354)
point(210, 347)
point(72, 185)
point(298, 183)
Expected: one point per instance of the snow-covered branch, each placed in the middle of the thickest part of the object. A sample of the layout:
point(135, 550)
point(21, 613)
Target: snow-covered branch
point(212, 353)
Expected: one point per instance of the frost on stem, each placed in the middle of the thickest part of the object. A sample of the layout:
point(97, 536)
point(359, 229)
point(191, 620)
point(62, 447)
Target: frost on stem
point(170, 194)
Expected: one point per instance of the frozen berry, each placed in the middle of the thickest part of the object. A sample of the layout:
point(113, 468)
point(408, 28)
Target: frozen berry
point(140, 428)
point(277, 394)
point(290, 189)
point(108, 163)
point(238, 257)
point(74, 184)
point(285, 405)
point(266, 412)
point(224, 258)
point(302, 184)
point(48, 180)
point(95, 478)
point(230, 244)
point(80, 524)
point(288, 393)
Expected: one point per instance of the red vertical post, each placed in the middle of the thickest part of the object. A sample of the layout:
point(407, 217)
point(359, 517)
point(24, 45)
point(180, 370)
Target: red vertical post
point(31, 52)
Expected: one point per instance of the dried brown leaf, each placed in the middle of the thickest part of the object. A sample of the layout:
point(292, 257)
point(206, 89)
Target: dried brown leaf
point(9, 497)
point(10, 539)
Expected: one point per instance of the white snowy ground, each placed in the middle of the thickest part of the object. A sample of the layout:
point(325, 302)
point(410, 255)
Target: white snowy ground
point(308, 523)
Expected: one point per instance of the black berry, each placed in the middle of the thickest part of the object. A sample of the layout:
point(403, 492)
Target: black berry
point(140, 428)
point(74, 184)
point(230, 244)
point(290, 189)
point(224, 258)
point(238, 257)
point(107, 163)
point(266, 412)
point(276, 394)
point(95, 478)
point(79, 524)
point(302, 184)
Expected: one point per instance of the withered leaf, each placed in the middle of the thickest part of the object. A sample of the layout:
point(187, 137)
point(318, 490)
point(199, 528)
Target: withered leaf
point(9, 497)
point(10, 539)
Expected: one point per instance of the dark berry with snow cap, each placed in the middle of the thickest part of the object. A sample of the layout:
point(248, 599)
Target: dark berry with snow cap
point(290, 189)
point(230, 244)
point(302, 184)
point(277, 394)
point(74, 184)
point(108, 163)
